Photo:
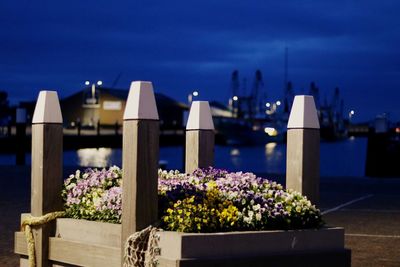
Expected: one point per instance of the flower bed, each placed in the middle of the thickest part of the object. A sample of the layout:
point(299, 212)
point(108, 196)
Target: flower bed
point(209, 200)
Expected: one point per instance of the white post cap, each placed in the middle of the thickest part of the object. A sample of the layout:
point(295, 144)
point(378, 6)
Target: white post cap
point(20, 116)
point(47, 108)
point(141, 103)
point(303, 113)
point(200, 116)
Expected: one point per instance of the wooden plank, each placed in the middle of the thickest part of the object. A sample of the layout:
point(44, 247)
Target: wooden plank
point(162, 262)
point(334, 258)
point(46, 182)
point(82, 254)
point(98, 233)
point(139, 160)
point(88, 251)
point(24, 262)
point(176, 245)
point(199, 146)
point(199, 149)
point(24, 215)
point(302, 171)
point(140, 164)
point(20, 245)
point(302, 161)
point(47, 150)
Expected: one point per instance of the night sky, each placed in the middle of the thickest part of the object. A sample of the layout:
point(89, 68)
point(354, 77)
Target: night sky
point(183, 46)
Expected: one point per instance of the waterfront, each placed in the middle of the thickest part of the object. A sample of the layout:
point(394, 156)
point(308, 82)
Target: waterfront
point(343, 158)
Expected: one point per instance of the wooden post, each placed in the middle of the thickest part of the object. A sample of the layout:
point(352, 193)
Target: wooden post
point(47, 149)
point(302, 162)
point(139, 160)
point(20, 136)
point(199, 149)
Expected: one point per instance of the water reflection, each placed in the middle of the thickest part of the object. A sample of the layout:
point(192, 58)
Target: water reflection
point(94, 157)
point(269, 148)
point(346, 158)
point(236, 159)
point(235, 152)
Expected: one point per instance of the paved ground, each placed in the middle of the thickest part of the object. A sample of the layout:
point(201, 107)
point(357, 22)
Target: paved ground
point(368, 209)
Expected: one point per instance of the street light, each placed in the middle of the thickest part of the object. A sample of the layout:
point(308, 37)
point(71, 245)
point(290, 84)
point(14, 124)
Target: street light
point(193, 94)
point(267, 104)
point(235, 98)
point(351, 114)
point(278, 103)
point(92, 99)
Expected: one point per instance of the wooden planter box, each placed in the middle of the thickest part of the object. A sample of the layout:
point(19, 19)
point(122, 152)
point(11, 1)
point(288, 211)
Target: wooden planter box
point(86, 243)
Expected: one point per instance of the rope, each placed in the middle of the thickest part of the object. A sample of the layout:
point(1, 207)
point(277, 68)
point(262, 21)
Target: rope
point(141, 248)
point(26, 226)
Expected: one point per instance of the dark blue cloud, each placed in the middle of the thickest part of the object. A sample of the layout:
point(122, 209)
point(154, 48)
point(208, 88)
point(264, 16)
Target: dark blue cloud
point(186, 45)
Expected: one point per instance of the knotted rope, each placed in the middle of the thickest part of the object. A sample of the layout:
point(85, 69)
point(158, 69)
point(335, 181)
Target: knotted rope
point(26, 226)
point(141, 248)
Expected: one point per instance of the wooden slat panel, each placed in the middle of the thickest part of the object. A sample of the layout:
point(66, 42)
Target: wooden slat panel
point(98, 233)
point(82, 254)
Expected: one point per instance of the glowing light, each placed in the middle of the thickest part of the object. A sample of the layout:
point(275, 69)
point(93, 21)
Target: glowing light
point(278, 103)
point(352, 112)
point(267, 104)
point(93, 157)
point(87, 83)
point(99, 83)
point(235, 98)
point(195, 93)
point(235, 152)
point(271, 131)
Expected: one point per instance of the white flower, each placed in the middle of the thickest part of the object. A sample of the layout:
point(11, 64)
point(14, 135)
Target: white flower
point(70, 186)
point(251, 214)
point(247, 220)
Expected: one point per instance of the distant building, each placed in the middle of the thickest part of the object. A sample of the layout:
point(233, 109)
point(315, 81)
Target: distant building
point(107, 105)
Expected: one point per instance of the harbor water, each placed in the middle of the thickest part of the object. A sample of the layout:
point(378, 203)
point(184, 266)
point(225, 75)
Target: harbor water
point(343, 158)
